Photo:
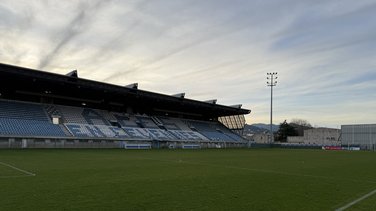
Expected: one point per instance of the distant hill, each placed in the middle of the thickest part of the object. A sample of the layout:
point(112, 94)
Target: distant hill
point(253, 129)
point(266, 126)
point(259, 128)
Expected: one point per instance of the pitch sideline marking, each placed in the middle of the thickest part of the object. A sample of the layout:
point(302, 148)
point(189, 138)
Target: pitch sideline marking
point(356, 201)
point(18, 169)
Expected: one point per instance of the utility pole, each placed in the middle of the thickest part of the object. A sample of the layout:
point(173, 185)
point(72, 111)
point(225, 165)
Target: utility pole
point(272, 81)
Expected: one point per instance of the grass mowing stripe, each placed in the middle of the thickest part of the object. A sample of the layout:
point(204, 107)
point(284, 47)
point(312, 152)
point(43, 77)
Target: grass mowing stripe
point(356, 201)
point(18, 169)
point(259, 170)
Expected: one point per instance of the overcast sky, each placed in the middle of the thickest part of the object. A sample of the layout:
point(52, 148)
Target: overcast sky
point(324, 51)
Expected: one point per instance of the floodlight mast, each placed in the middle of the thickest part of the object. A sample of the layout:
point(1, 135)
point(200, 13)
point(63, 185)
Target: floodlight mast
point(272, 81)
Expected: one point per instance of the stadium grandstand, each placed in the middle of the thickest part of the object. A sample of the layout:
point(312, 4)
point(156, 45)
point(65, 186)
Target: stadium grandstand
point(46, 110)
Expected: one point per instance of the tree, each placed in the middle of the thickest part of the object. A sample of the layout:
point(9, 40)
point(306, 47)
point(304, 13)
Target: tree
point(285, 129)
point(300, 125)
point(301, 122)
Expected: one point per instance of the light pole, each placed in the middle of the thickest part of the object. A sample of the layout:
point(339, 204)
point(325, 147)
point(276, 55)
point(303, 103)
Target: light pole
point(272, 81)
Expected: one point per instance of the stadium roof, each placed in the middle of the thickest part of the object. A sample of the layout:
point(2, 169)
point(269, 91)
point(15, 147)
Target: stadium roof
point(19, 83)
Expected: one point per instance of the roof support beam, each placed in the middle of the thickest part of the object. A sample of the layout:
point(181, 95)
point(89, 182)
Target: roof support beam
point(73, 73)
point(236, 106)
point(179, 95)
point(132, 86)
point(214, 101)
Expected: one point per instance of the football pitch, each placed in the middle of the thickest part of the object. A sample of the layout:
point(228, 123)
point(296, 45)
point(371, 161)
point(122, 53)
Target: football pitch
point(215, 179)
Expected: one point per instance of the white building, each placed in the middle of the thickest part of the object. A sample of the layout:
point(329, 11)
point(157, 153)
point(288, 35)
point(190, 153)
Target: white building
point(317, 136)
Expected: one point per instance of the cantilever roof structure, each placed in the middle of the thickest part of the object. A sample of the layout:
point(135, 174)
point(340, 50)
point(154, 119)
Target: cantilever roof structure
point(19, 83)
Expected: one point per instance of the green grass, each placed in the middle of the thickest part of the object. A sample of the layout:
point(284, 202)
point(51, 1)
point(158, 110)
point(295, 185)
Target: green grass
point(232, 179)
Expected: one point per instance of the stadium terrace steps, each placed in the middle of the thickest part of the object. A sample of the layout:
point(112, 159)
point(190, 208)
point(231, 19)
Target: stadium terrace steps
point(157, 121)
point(144, 121)
point(173, 124)
point(124, 120)
point(65, 130)
point(71, 114)
point(52, 111)
point(82, 115)
point(106, 115)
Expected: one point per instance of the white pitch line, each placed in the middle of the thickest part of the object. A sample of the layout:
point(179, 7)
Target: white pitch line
point(356, 201)
point(18, 169)
point(15, 176)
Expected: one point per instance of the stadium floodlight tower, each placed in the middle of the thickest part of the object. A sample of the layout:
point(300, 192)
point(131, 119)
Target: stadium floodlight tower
point(272, 81)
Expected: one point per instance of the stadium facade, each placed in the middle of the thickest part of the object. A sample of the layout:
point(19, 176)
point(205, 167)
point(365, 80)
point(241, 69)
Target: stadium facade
point(46, 110)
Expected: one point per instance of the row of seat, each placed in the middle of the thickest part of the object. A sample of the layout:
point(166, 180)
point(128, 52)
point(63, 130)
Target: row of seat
point(16, 110)
point(26, 127)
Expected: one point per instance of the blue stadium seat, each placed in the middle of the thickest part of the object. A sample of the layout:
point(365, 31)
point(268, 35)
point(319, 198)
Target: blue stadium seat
point(27, 119)
point(25, 127)
point(214, 131)
point(18, 110)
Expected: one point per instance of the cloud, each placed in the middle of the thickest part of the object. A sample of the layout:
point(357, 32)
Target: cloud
point(197, 36)
point(322, 50)
point(76, 26)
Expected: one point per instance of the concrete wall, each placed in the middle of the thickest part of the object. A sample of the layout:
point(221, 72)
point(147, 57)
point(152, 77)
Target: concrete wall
point(16, 143)
point(261, 138)
point(295, 139)
point(57, 143)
